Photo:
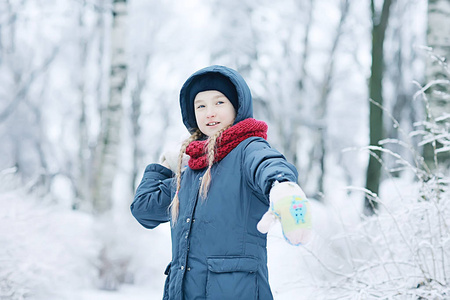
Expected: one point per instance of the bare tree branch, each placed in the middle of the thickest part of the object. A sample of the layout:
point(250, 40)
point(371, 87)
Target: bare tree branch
point(25, 85)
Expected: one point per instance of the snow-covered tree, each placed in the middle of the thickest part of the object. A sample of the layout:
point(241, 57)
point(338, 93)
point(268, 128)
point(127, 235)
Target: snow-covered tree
point(111, 118)
point(438, 39)
point(437, 75)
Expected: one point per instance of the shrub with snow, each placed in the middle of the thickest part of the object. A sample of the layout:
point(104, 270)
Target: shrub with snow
point(46, 251)
point(401, 252)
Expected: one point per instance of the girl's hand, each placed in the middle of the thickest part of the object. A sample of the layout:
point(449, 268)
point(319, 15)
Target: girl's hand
point(288, 204)
point(169, 160)
point(165, 163)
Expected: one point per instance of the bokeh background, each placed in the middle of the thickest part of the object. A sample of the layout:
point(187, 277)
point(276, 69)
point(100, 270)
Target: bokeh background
point(355, 94)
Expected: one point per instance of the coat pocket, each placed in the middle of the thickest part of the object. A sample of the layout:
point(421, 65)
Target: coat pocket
point(166, 284)
point(232, 277)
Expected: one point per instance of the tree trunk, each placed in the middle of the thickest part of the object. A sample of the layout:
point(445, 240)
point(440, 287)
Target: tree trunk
point(112, 267)
point(82, 188)
point(136, 104)
point(376, 94)
point(438, 39)
point(293, 144)
point(109, 140)
point(324, 94)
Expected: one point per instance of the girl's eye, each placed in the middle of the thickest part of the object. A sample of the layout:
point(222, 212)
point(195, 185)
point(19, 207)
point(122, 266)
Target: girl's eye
point(220, 102)
point(200, 106)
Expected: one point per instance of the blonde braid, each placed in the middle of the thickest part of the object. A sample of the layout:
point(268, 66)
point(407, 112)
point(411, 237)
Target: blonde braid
point(175, 204)
point(211, 151)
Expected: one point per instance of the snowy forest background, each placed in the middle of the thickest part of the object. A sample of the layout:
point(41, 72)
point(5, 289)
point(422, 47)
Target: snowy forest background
point(355, 94)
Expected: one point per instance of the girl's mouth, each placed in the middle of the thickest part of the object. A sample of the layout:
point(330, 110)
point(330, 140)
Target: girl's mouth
point(212, 123)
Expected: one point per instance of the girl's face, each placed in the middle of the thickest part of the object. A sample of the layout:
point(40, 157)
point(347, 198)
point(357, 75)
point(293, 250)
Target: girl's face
point(213, 112)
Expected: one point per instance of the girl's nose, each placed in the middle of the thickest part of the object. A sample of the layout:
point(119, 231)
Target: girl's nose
point(211, 113)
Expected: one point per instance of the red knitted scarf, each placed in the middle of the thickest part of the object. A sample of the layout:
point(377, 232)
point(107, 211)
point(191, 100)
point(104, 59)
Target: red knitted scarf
point(226, 142)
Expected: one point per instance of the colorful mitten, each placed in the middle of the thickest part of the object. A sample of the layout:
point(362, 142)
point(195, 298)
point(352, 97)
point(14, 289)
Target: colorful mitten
point(289, 204)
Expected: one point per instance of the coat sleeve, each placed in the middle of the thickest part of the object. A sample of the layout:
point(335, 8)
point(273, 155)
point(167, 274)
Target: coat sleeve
point(263, 165)
point(153, 196)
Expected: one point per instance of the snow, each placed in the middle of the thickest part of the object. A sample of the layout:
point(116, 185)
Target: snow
point(45, 249)
point(125, 292)
point(49, 251)
point(52, 252)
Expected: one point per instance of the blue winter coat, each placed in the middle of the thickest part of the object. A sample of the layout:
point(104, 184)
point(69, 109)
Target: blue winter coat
point(217, 252)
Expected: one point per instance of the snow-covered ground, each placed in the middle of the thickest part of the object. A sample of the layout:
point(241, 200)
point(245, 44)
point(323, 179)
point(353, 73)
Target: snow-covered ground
point(137, 292)
point(51, 252)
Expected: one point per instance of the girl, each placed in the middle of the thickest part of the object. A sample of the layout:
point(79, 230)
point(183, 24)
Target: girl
point(216, 202)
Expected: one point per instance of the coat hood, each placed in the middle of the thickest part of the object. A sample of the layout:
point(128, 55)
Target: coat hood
point(245, 106)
